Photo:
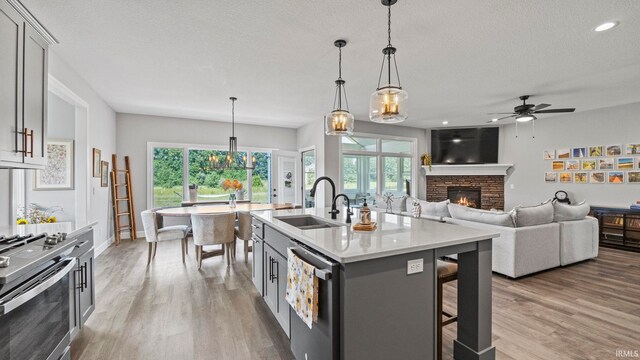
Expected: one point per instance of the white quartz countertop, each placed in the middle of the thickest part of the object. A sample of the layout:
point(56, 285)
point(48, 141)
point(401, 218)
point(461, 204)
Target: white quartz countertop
point(71, 228)
point(395, 234)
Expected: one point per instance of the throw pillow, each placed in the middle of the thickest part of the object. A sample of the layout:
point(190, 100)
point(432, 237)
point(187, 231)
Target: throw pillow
point(439, 208)
point(534, 215)
point(398, 204)
point(500, 218)
point(566, 212)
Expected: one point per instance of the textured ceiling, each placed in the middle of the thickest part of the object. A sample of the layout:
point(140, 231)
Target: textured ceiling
point(457, 59)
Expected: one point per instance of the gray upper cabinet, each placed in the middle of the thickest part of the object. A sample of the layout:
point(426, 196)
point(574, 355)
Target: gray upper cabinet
point(23, 89)
point(11, 35)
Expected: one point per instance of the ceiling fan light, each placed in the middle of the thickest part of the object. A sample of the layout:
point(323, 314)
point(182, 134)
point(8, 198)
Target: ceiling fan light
point(525, 118)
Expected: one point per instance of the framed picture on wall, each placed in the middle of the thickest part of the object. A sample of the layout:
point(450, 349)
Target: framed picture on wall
point(104, 174)
point(564, 153)
point(614, 150)
point(597, 150)
point(588, 165)
point(633, 177)
point(565, 177)
point(572, 165)
point(557, 165)
point(97, 157)
point(59, 172)
point(597, 177)
point(550, 177)
point(616, 177)
point(625, 163)
point(580, 178)
point(549, 154)
point(605, 164)
point(632, 149)
point(579, 152)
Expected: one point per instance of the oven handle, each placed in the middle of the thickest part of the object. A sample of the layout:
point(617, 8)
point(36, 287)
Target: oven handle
point(37, 290)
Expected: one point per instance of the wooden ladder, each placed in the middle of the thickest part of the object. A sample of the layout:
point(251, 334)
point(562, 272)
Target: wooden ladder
point(121, 192)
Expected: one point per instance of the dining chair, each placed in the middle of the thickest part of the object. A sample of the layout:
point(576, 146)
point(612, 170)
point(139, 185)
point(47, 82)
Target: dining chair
point(154, 234)
point(243, 232)
point(213, 229)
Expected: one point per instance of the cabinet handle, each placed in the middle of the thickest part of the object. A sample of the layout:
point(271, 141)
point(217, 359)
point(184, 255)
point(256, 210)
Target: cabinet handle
point(79, 270)
point(275, 277)
point(270, 269)
point(31, 135)
point(86, 277)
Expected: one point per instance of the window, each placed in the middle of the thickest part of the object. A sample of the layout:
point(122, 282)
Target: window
point(308, 176)
point(167, 176)
point(375, 164)
point(171, 176)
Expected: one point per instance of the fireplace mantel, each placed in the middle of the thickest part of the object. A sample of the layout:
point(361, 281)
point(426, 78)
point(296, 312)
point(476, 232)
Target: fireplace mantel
point(471, 169)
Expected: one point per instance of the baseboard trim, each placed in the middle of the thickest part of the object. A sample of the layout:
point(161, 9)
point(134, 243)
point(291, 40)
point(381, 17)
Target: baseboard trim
point(100, 249)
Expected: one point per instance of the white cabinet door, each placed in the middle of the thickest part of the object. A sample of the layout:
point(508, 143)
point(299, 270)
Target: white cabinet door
point(285, 177)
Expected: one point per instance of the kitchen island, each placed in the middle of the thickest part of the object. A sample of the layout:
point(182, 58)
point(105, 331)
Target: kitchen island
point(378, 290)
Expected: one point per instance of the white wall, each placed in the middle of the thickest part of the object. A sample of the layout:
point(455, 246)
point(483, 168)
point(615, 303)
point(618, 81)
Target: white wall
point(614, 125)
point(61, 125)
point(102, 135)
point(135, 131)
point(312, 134)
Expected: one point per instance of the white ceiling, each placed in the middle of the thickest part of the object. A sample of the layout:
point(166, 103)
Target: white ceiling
point(457, 59)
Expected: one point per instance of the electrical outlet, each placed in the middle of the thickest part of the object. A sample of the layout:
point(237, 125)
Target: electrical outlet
point(415, 266)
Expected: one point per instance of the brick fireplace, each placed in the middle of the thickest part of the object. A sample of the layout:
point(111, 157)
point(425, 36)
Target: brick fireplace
point(491, 188)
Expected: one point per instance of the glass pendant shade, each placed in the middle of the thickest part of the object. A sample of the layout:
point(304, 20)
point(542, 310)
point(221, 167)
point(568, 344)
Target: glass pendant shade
point(339, 122)
point(389, 105)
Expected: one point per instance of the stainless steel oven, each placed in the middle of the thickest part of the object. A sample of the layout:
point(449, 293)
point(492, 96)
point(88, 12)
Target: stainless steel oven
point(34, 315)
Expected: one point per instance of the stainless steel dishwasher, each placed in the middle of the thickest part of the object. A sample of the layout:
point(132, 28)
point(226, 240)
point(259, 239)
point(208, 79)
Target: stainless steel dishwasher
point(322, 341)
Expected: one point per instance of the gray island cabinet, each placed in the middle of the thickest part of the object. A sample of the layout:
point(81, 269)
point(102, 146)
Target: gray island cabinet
point(378, 290)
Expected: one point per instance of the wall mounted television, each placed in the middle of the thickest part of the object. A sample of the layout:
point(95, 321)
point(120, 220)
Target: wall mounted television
point(465, 146)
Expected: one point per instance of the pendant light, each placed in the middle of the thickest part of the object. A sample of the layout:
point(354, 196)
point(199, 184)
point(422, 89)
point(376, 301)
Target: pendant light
point(339, 121)
point(389, 102)
point(230, 160)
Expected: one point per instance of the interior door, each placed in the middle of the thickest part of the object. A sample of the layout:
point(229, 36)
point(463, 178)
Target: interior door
point(284, 171)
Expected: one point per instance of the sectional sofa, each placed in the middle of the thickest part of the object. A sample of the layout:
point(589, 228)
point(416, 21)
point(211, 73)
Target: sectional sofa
point(532, 239)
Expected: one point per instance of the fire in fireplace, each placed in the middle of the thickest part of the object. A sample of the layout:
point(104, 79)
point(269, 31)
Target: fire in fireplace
point(470, 197)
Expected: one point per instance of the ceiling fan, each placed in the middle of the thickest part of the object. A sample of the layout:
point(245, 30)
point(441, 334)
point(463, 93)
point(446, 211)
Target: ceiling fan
point(525, 112)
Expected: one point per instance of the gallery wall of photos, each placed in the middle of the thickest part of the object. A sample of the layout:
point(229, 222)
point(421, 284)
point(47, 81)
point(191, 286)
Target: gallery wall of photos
point(599, 164)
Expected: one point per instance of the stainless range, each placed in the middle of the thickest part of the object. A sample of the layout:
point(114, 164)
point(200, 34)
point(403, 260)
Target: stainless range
point(35, 296)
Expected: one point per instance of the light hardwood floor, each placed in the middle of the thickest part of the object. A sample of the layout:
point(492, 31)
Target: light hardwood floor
point(173, 311)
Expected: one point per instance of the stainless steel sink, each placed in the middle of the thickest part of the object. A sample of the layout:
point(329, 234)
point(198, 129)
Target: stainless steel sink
point(307, 222)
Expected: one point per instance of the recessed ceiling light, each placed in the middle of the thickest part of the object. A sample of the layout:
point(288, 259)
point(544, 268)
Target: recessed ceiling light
point(494, 119)
point(606, 26)
point(445, 122)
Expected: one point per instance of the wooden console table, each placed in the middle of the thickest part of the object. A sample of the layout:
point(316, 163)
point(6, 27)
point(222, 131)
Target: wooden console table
point(618, 228)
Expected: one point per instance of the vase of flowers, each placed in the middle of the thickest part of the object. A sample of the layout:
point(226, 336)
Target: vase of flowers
point(37, 214)
point(236, 188)
point(427, 160)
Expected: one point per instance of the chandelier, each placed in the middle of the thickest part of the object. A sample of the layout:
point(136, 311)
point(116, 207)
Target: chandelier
point(232, 160)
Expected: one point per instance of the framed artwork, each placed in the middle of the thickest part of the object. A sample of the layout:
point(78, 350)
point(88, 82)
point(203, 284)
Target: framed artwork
point(632, 149)
point(580, 178)
point(549, 154)
point(597, 177)
point(579, 152)
point(616, 177)
point(614, 150)
point(59, 171)
point(565, 177)
point(97, 157)
point(564, 154)
point(104, 174)
point(588, 165)
point(625, 163)
point(572, 165)
point(550, 177)
point(605, 164)
point(633, 177)
point(596, 151)
point(557, 165)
